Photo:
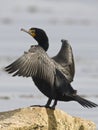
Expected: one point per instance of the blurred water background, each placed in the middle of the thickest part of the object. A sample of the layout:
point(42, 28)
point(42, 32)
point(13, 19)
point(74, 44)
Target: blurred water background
point(74, 20)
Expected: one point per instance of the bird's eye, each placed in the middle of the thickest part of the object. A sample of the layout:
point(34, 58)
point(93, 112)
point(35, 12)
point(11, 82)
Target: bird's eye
point(32, 32)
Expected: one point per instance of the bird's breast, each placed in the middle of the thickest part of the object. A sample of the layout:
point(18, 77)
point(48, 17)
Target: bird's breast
point(44, 87)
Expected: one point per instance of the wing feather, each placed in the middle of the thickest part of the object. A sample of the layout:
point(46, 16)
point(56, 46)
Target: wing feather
point(33, 64)
point(66, 60)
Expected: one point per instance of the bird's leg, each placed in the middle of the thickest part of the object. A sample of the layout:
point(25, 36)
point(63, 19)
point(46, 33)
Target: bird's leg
point(54, 104)
point(48, 102)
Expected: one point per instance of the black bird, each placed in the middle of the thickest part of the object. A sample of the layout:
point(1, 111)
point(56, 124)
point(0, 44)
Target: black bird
point(52, 76)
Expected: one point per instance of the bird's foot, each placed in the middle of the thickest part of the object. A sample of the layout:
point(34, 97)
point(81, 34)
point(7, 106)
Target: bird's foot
point(37, 106)
point(46, 106)
point(52, 108)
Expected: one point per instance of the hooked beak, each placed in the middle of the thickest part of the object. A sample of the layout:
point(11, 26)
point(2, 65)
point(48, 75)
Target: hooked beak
point(31, 32)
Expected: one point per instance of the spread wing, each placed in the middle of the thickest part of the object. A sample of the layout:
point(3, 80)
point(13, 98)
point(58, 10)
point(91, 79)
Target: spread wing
point(34, 63)
point(65, 59)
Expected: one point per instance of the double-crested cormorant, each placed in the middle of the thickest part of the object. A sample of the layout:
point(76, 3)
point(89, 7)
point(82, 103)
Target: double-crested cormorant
point(52, 76)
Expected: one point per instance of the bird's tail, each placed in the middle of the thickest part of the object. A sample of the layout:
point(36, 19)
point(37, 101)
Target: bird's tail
point(84, 102)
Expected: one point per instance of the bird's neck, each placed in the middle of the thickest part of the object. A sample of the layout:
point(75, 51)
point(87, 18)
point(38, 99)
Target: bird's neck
point(44, 45)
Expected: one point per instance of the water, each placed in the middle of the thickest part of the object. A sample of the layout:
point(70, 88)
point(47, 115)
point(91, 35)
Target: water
point(76, 21)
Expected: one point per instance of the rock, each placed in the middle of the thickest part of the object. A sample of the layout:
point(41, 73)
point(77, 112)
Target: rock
point(40, 118)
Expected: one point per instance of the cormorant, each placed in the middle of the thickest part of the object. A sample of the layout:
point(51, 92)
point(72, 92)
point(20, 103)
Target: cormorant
point(52, 76)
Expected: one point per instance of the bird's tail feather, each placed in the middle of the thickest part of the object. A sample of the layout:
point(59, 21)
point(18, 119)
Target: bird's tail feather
point(84, 102)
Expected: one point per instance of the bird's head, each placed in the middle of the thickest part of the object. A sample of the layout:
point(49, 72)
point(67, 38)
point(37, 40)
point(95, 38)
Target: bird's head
point(39, 35)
